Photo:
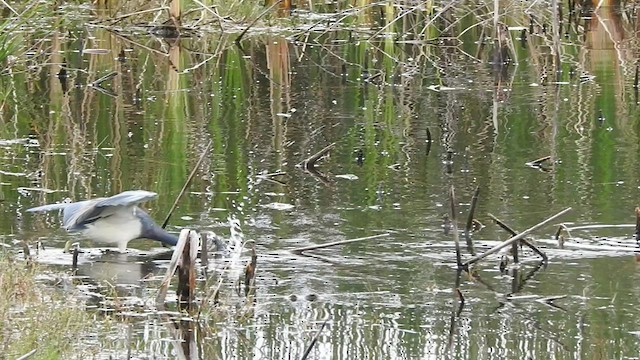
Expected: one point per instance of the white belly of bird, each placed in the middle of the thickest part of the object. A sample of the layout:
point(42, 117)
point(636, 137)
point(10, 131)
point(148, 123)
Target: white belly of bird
point(118, 229)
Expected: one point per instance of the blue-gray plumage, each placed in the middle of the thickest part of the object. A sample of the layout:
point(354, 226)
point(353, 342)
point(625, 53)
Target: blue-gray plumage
point(116, 219)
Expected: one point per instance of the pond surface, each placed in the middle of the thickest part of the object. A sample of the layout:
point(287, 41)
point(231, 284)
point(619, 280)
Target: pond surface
point(408, 121)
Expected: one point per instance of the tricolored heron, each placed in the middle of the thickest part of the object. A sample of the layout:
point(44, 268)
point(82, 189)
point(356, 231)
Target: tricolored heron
point(116, 219)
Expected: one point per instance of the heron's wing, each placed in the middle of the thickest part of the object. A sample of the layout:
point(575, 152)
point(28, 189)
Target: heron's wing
point(75, 212)
point(70, 210)
point(127, 198)
point(91, 210)
point(49, 207)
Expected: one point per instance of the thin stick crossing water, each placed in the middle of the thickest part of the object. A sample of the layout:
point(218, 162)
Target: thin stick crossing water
point(513, 239)
point(186, 184)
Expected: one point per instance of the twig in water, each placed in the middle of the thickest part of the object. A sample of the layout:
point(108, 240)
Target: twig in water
point(513, 239)
point(550, 299)
point(318, 175)
point(186, 184)
point(239, 38)
point(539, 161)
point(467, 229)
point(299, 251)
point(310, 162)
point(530, 245)
point(460, 301)
point(454, 224)
point(559, 231)
point(271, 176)
point(314, 341)
point(540, 164)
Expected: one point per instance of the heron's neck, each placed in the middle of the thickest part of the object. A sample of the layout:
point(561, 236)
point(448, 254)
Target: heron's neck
point(159, 234)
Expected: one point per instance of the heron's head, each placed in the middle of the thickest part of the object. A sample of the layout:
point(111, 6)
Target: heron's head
point(151, 230)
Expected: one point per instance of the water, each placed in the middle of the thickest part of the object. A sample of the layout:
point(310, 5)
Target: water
point(404, 132)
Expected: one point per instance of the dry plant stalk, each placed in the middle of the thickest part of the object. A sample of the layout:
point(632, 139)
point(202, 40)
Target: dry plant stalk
point(175, 13)
point(513, 239)
point(469, 227)
point(314, 341)
point(187, 272)
point(299, 251)
point(239, 38)
point(526, 242)
point(310, 162)
point(186, 184)
point(173, 265)
point(454, 224)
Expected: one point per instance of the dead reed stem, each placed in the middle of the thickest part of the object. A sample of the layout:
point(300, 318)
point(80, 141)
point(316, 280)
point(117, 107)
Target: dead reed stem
point(219, 18)
point(175, 13)
point(187, 272)
point(310, 162)
point(512, 232)
point(314, 341)
point(454, 224)
point(299, 251)
point(173, 265)
point(513, 239)
point(239, 38)
point(118, 18)
point(467, 229)
point(186, 184)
